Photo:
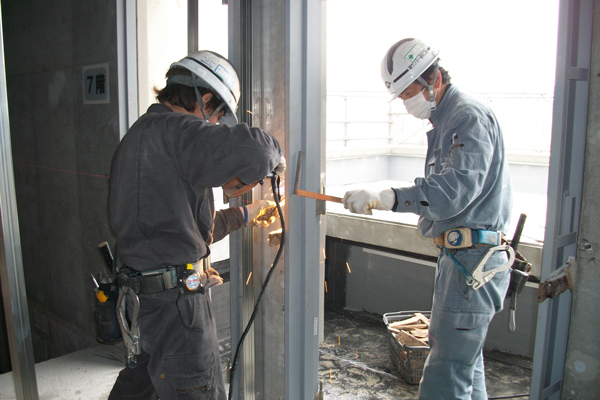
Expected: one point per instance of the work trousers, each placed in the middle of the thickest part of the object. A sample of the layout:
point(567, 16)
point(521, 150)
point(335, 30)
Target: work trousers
point(460, 317)
point(181, 359)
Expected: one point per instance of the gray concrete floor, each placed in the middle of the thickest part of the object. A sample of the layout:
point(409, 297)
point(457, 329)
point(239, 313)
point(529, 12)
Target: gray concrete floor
point(83, 375)
point(355, 364)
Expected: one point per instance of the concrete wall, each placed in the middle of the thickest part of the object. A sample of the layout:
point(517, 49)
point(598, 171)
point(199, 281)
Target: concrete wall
point(363, 277)
point(527, 177)
point(62, 151)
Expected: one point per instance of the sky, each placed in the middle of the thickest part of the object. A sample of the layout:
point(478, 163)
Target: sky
point(504, 46)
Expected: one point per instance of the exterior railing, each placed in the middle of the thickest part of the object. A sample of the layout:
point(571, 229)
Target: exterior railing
point(367, 120)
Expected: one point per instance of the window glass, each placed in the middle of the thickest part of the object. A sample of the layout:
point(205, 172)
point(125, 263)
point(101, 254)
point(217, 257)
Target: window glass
point(504, 53)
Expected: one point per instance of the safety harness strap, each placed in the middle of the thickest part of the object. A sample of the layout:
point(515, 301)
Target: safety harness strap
point(479, 277)
point(461, 267)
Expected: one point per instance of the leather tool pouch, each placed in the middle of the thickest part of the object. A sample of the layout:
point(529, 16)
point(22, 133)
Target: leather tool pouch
point(518, 275)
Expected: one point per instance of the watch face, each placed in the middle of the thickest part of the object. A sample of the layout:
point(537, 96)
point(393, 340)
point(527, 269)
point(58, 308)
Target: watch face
point(192, 282)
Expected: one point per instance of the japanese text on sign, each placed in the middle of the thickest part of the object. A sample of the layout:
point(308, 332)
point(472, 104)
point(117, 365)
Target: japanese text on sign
point(96, 84)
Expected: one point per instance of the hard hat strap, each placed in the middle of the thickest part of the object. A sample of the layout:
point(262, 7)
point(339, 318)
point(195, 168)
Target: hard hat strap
point(201, 105)
point(430, 87)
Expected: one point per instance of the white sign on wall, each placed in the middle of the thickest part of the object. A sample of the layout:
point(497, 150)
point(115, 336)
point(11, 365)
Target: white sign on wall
point(95, 84)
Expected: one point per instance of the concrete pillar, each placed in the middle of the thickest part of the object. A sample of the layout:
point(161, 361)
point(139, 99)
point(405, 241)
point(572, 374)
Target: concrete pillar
point(582, 367)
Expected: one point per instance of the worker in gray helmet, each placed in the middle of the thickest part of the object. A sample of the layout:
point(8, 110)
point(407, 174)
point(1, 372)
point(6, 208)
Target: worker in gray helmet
point(464, 203)
point(162, 210)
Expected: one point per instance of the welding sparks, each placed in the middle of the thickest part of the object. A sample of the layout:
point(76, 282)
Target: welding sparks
point(248, 280)
point(348, 266)
point(249, 112)
point(330, 374)
point(325, 286)
point(339, 340)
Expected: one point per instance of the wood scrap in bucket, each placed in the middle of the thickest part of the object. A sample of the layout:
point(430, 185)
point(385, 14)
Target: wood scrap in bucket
point(412, 331)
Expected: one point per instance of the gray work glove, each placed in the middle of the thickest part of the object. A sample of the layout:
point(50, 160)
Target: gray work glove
point(281, 167)
point(363, 201)
point(261, 213)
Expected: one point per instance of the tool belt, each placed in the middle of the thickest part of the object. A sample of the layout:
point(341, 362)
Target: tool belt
point(191, 278)
point(464, 238)
point(156, 281)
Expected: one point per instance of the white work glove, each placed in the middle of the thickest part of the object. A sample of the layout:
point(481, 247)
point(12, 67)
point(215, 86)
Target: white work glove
point(363, 201)
point(280, 168)
point(212, 278)
point(261, 213)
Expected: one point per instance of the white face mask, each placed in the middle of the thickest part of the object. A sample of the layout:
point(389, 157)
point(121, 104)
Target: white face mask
point(418, 106)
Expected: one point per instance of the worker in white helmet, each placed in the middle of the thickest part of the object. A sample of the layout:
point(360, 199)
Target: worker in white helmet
point(162, 210)
point(464, 203)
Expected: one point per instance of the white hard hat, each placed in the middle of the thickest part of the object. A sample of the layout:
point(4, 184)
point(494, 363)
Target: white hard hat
point(404, 63)
point(212, 71)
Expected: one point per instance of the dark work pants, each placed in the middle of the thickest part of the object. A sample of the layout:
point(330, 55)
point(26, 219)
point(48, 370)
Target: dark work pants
point(181, 359)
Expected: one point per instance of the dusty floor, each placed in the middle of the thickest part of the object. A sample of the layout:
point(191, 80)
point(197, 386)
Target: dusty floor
point(355, 364)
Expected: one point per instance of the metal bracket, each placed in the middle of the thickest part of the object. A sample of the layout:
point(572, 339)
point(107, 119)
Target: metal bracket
point(559, 281)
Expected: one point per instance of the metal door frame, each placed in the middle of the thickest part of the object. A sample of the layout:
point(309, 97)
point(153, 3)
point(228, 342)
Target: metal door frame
point(299, 49)
point(12, 276)
point(565, 185)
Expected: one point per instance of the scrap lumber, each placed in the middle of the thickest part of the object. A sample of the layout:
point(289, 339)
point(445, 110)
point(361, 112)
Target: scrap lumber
point(408, 321)
point(413, 327)
point(407, 339)
point(413, 331)
point(422, 318)
point(420, 333)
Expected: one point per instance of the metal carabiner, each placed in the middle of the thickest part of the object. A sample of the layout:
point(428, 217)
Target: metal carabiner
point(131, 335)
point(480, 278)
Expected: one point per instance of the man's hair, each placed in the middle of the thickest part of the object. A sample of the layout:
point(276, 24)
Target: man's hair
point(184, 96)
point(428, 74)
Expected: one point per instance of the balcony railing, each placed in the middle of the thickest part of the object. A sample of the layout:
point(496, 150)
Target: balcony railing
point(366, 120)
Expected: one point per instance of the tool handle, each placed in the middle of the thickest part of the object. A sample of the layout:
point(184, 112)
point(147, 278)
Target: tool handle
point(108, 258)
point(512, 325)
point(94, 281)
point(514, 243)
point(318, 196)
point(101, 296)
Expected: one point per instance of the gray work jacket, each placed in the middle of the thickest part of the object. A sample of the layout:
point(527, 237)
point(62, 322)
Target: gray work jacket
point(161, 202)
point(467, 180)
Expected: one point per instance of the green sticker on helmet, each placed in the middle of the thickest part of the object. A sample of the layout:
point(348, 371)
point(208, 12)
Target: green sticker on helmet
point(416, 52)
